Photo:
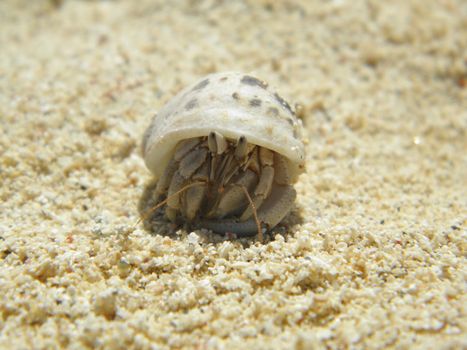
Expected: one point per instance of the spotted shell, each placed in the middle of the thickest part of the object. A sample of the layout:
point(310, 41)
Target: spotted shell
point(232, 104)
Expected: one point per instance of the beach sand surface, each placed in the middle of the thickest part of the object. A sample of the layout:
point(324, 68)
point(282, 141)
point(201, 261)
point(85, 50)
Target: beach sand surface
point(371, 257)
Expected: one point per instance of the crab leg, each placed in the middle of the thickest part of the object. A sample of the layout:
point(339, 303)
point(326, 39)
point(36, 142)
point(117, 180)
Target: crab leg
point(273, 210)
point(233, 198)
point(187, 167)
point(193, 198)
point(164, 181)
point(181, 151)
point(277, 205)
point(173, 202)
point(241, 163)
point(192, 161)
point(246, 228)
point(224, 199)
point(264, 186)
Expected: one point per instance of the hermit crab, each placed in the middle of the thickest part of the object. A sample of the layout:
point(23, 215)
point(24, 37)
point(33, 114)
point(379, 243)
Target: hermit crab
point(226, 152)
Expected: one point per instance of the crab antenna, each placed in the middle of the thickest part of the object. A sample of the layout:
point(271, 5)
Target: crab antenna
point(255, 214)
point(160, 204)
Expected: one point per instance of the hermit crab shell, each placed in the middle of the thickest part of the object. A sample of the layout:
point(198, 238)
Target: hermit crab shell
point(233, 104)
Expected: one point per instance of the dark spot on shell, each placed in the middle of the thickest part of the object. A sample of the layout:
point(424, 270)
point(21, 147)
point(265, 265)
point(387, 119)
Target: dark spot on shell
point(290, 120)
point(223, 79)
point(273, 111)
point(295, 133)
point(235, 96)
point(191, 104)
point(283, 102)
point(252, 81)
point(256, 102)
point(201, 85)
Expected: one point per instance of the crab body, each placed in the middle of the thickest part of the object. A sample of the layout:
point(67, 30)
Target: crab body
point(226, 152)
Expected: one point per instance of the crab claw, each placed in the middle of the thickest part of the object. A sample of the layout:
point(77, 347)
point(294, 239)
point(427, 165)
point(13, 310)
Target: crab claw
point(273, 210)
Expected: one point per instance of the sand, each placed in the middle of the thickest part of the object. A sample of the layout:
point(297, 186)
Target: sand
point(372, 256)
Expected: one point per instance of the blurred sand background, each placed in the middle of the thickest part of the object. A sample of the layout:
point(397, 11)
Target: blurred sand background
point(374, 255)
